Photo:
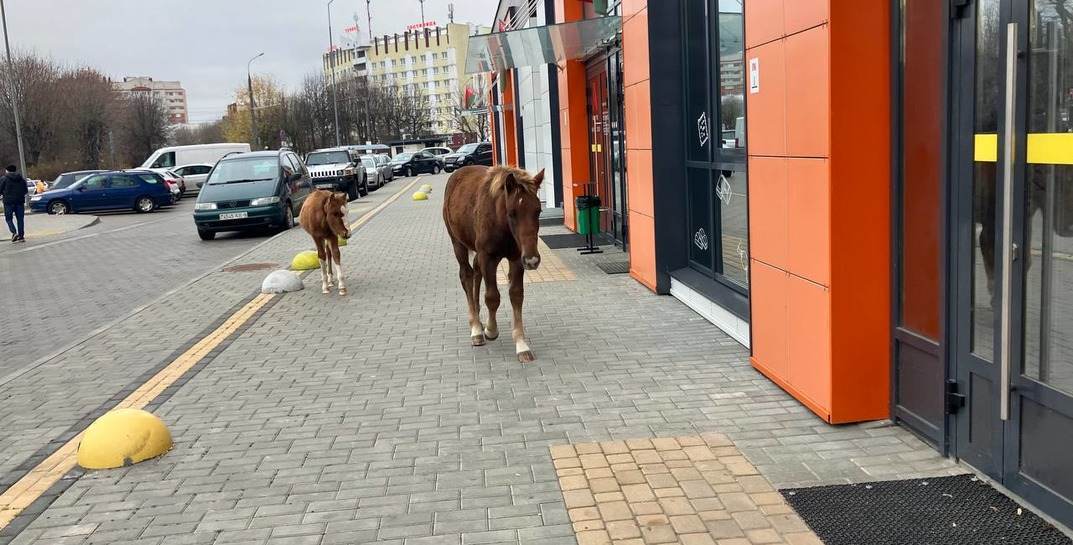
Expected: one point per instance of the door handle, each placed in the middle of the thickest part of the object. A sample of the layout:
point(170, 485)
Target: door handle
point(1009, 155)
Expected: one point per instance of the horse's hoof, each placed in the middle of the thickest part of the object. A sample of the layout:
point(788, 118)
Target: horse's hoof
point(491, 336)
point(325, 291)
point(526, 357)
point(342, 293)
point(478, 340)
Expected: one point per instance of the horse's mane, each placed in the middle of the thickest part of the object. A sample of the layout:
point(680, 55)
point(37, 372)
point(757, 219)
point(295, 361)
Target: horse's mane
point(498, 176)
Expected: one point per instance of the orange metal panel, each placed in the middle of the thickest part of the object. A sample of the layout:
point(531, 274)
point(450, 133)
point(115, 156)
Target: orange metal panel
point(770, 317)
point(810, 220)
point(639, 116)
point(569, 10)
point(808, 94)
point(643, 249)
point(763, 22)
point(574, 136)
point(635, 49)
point(767, 108)
point(510, 135)
point(810, 341)
point(640, 182)
point(803, 14)
point(633, 7)
point(860, 206)
point(768, 227)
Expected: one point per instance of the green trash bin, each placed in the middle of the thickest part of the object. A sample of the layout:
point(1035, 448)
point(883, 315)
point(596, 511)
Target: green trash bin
point(588, 214)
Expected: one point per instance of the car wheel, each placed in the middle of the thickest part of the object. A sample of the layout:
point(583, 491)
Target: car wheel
point(353, 191)
point(206, 235)
point(59, 208)
point(436, 169)
point(467, 163)
point(364, 189)
point(144, 204)
point(409, 172)
point(288, 217)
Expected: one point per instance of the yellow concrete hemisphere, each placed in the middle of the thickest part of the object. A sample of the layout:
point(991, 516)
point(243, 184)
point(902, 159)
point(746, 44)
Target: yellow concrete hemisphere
point(121, 438)
point(427, 188)
point(305, 261)
point(420, 196)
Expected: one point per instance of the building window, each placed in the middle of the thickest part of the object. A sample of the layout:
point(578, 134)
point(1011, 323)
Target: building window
point(717, 195)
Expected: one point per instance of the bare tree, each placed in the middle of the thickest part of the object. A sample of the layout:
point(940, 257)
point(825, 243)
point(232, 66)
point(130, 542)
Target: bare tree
point(89, 111)
point(32, 85)
point(469, 114)
point(143, 127)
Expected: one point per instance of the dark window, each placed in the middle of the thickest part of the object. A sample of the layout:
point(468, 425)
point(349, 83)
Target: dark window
point(166, 160)
point(94, 182)
point(714, 103)
point(123, 182)
point(199, 169)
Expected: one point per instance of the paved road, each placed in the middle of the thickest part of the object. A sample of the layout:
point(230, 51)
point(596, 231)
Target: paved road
point(56, 290)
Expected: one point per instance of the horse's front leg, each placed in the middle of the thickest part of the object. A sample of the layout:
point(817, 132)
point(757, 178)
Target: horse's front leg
point(325, 274)
point(337, 265)
point(517, 296)
point(488, 266)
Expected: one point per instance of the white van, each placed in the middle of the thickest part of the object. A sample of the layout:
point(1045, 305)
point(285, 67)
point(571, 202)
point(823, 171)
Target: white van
point(177, 156)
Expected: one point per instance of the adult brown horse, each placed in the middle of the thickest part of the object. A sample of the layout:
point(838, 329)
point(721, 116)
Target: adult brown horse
point(323, 216)
point(493, 214)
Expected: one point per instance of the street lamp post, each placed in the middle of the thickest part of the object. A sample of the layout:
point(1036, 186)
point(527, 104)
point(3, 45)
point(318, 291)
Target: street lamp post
point(14, 99)
point(331, 56)
point(253, 112)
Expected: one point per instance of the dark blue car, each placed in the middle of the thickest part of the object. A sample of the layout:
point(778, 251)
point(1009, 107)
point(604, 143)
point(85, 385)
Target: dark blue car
point(139, 190)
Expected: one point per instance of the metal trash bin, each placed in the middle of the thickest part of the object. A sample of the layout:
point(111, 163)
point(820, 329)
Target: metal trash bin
point(588, 214)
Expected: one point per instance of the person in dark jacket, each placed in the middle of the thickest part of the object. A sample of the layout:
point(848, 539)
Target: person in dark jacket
point(13, 189)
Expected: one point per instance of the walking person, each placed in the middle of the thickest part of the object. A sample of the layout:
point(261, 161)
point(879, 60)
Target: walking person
point(13, 190)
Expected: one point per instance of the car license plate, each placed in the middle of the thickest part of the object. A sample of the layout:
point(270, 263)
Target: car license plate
point(233, 215)
point(325, 186)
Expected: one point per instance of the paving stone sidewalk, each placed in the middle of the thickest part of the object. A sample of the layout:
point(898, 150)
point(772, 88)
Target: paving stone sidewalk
point(371, 419)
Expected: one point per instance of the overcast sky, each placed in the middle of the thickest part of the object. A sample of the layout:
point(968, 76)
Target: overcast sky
point(205, 44)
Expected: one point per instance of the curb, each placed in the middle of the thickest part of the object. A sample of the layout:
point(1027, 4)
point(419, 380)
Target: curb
point(41, 361)
point(74, 344)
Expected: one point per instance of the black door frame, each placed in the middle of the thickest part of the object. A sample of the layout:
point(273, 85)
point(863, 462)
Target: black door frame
point(1002, 459)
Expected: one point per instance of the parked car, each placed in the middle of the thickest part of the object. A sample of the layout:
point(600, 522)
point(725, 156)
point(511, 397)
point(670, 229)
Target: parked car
point(339, 169)
point(63, 181)
point(374, 149)
point(252, 191)
point(172, 178)
point(383, 160)
point(170, 157)
point(469, 154)
point(194, 174)
point(411, 164)
point(377, 177)
point(140, 190)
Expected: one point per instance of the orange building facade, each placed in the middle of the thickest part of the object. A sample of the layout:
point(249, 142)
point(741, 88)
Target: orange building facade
point(875, 198)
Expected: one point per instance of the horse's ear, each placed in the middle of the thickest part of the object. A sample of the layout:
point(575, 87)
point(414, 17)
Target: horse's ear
point(539, 178)
point(510, 183)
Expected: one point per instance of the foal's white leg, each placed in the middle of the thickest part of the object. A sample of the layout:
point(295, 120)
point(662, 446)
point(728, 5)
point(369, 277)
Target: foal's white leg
point(517, 294)
point(322, 254)
point(339, 272)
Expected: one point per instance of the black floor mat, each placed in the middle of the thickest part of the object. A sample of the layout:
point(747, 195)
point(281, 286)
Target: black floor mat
point(942, 511)
point(571, 240)
point(614, 267)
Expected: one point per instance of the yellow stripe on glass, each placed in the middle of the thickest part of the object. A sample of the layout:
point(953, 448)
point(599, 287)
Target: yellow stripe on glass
point(1054, 148)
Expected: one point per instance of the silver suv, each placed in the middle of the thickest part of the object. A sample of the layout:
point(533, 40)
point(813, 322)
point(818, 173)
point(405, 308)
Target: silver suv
point(338, 169)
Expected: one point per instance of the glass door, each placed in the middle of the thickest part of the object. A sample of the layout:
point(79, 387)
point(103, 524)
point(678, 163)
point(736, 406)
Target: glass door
point(1014, 304)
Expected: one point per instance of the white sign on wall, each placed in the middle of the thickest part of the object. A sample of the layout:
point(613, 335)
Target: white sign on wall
point(754, 76)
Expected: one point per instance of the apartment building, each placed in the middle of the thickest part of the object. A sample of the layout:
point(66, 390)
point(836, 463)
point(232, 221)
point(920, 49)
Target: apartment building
point(428, 59)
point(171, 93)
point(347, 62)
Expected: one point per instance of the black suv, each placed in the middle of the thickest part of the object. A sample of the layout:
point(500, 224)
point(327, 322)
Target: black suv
point(338, 169)
point(469, 154)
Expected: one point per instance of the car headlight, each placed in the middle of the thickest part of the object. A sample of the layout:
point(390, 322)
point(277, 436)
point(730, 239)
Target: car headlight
point(349, 172)
point(35, 198)
point(264, 200)
point(205, 206)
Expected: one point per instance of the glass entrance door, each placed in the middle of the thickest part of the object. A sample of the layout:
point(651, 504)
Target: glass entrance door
point(1013, 284)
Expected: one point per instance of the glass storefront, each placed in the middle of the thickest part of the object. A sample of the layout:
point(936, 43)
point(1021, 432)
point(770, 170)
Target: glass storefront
point(714, 102)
